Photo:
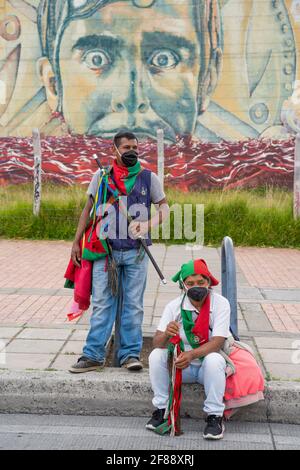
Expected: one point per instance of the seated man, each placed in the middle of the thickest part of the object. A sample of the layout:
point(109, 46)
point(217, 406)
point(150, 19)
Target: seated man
point(179, 317)
point(197, 323)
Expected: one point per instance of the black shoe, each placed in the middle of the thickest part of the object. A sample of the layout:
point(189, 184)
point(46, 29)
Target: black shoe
point(132, 364)
point(84, 364)
point(215, 427)
point(157, 419)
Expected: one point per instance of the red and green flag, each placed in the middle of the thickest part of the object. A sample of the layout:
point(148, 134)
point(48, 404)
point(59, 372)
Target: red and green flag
point(125, 177)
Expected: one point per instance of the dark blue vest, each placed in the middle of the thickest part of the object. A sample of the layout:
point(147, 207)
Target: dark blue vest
point(140, 194)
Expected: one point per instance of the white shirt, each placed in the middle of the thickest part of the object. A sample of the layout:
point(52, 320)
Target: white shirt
point(219, 317)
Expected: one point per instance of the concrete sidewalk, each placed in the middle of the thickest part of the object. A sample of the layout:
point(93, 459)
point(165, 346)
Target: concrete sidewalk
point(36, 336)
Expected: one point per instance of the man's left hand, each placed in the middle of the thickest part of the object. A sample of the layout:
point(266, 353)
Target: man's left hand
point(138, 229)
point(184, 359)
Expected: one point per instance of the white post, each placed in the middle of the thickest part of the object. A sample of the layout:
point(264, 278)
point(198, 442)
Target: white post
point(297, 178)
point(37, 171)
point(160, 156)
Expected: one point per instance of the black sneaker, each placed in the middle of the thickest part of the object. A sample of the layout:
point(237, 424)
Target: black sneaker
point(84, 364)
point(157, 419)
point(132, 363)
point(215, 427)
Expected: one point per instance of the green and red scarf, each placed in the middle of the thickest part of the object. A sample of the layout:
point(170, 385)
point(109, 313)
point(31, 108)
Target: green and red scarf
point(125, 177)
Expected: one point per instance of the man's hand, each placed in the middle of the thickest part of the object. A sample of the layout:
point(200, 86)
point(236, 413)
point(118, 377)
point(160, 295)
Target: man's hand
point(172, 329)
point(138, 229)
point(75, 254)
point(184, 359)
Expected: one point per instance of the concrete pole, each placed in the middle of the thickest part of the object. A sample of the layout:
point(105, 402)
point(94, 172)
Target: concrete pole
point(37, 172)
point(160, 156)
point(297, 178)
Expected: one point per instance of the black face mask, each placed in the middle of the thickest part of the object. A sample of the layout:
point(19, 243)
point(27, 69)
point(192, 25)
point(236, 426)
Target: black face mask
point(129, 158)
point(197, 293)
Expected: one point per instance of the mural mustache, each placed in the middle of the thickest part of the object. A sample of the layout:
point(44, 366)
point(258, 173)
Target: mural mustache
point(104, 127)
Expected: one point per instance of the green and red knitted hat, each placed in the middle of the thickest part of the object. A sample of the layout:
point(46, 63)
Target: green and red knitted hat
point(197, 266)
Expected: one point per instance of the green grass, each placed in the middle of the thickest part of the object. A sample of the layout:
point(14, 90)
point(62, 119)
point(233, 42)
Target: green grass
point(260, 217)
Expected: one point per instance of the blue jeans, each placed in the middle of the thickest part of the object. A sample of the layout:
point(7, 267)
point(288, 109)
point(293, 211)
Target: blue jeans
point(132, 275)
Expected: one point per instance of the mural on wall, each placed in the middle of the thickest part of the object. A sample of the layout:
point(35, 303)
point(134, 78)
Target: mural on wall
point(214, 75)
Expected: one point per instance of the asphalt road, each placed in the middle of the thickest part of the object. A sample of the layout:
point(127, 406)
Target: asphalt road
point(33, 432)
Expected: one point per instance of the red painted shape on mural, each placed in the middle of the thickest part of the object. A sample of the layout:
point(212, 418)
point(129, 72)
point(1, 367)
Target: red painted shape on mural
point(189, 164)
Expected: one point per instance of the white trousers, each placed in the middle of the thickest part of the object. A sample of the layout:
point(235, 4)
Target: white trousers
point(211, 374)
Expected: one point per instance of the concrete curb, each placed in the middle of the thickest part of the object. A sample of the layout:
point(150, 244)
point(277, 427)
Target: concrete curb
point(120, 393)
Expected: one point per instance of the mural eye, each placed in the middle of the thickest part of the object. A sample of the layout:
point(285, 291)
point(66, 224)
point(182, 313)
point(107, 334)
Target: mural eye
point(96, 59)
point(164, 59)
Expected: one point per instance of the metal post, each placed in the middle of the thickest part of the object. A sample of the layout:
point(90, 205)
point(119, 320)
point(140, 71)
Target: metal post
point(37, 172)
point(160, 156)
point(297, 178)
point(229, 281)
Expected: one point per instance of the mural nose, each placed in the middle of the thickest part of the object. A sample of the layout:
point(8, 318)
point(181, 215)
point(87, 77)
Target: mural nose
point(133, 99)
point(142, 108)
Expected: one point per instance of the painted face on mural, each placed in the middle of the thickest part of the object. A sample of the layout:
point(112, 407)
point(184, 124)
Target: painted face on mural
point(131, 67)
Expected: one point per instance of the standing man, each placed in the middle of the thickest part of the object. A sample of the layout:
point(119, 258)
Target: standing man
point(139, 188)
